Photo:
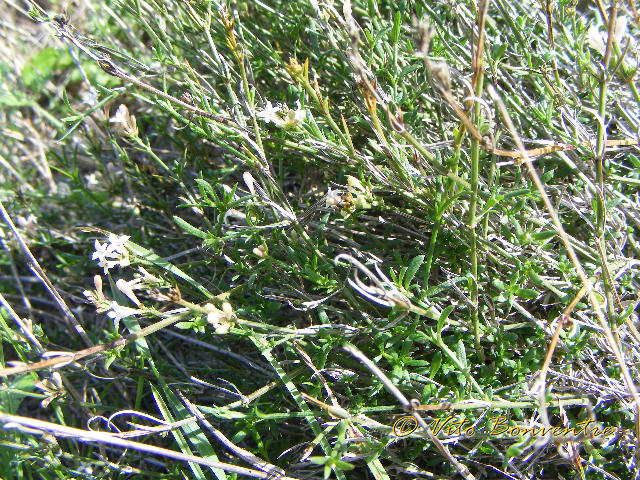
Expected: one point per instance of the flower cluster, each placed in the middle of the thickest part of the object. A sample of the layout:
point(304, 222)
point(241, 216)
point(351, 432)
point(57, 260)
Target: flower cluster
point(358, 196)
point(52, 388)
point(118, 312)
point(112, 253)
point(362, 195)
point(289, 118)
point(114, 310)
point(221, 320)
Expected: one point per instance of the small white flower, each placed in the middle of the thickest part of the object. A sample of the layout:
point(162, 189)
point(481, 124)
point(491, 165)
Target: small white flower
point(260, 251)
point(102, 250)
point(107, 264)
point(128, 287)
point(29, 223)
point(123, 122)
point(300, 114)
point(124, 262)
point(355, 184)
point(147, 277)
point(121, 115)
point(86, 468)
point(64, 190)
point(116, 243)
point(112, 253)
point(92, 180)
point(620, 29)
point(268, 113)
point(228, 311)
point(90, 296)
point(333, 198)
point(218, 319)
point(90, 97)
point(291, 118)
point(118, 312)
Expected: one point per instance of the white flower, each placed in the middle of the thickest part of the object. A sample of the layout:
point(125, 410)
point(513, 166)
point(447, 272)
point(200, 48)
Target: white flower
point(64, 190)
point(92, 180)
point(128, 287)
point(116, 243)
point(121, 115)
point(147, 277)
point(300, 114)
point(598, 40)
point(118, 312)
point(29, 223)
point(333, 198)
point(113, 253)
point(90, 97)
point(268, 113)
point(260, 251)
point(355, 184)
point(220, 320)
point(102, 250)
point(107, 264)
point(124, 123)
point(90, 296)
point(291, 118)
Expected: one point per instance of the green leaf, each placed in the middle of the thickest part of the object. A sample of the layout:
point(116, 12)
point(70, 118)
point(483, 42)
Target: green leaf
point(187, 227)
point(462, 354)
point(110, 357)
point(500, 285)
point(13, 99)
point(151, 257)
point(514, 451)
point(546, 176)
point(397, 22)
point(184, 325)
point(443, 318)
point(527, 293)
point(410, 69)
point(436, 361)
point(177, 433)
point(544, 235)
point(414, 265)
point(343, 465)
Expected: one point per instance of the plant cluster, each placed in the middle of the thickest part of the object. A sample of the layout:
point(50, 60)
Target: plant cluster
point(245, 238)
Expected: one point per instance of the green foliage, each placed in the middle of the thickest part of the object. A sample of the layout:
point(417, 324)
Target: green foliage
point(288, 190)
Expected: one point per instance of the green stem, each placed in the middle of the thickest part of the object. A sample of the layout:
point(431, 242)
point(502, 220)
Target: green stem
point(475, 170)
point(432, 247)
point(323, 107)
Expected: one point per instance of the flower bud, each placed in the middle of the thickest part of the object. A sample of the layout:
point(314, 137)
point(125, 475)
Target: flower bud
point(124, 123)
point(260, 251)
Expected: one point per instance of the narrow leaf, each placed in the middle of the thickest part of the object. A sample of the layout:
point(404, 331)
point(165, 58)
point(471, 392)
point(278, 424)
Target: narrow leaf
point(187, 227)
